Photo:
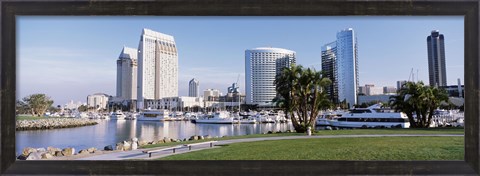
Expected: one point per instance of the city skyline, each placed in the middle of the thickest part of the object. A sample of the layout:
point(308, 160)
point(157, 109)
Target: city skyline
point(85, 58)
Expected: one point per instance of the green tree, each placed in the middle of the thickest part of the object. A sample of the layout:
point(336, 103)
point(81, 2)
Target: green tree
point(302, 95)
point(418, 102)
point(21, 107)
point(38, 103)
point(82, 108)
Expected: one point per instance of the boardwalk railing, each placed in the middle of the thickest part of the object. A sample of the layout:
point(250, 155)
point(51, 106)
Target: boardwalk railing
point(149, 152)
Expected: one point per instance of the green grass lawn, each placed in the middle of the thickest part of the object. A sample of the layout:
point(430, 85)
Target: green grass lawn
point(331, 132)
point(366, 148)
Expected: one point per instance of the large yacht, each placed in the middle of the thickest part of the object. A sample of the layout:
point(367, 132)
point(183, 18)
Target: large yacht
point(373, 116)
point(117, 115)
point(221, 117)
point(154, 115)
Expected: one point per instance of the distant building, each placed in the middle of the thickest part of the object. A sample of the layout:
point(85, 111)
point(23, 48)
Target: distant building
point(329, 68)
point(362, 90)
point(261, 67)
point(177, 103)
point(436, 59)
point(375, 91)
point(373, 98)
point(400, 84)
point(98, 101)
point(157, 67)
point(71, 105)
point(193, 88)
point(389, 90)
point(211, 95)
point(454, 91)
point(127, 74)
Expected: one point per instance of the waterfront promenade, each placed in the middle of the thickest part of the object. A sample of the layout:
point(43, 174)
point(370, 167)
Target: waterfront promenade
point(138, 154)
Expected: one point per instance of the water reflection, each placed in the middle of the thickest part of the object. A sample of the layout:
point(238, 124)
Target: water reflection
point(109, 132)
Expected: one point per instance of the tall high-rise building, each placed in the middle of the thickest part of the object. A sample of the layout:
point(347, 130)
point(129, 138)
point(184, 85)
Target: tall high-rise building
point(347, 66)
point(261, 66)
point(193, 90)
point(157, 67)
point(127, 74)
point(329, 68)
point(436, 59)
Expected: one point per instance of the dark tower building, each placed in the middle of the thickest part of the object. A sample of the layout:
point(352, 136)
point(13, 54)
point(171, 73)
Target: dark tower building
point(436, 59)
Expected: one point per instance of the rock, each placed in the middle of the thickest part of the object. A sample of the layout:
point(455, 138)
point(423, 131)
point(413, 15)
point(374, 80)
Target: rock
point(178, 140)
point(207, 137)
point(201, 138)
point(119, 146)
point(328, 128)
point(142, 142)
point(269, 132)
point(108, 148)
point(134, 145)
point(58, 153)
point(41, 150)
point(68, 151)
point(28, 150)
point(127, 145)
point(34, 156)
point(185, 139)
point(52, 150)
point(166, 140)
point(83, 152)
point(224, 136)
point(288, 131)
point(92, 149)
point(134, 139)
point(47, 156)
point(193, 138)
point(22, 157)
point(172, 140)
point(160, 141)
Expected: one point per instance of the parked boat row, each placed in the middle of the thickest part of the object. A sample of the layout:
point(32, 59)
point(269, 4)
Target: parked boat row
point(376, 116)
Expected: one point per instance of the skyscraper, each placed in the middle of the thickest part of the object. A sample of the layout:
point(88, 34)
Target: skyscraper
point(347, 66)
point(157, 67)
point(436, 59)
point(127, 74)
point(261, 66)
point(329, 68)
point(193, 90)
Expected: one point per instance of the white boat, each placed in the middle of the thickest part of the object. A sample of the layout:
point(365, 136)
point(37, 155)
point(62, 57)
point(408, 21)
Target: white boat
point(117, 115)
point(328, 118)
point(372, 117)
point(131, 116)
point(154, 115)
point(221, 117)
point(104, 116)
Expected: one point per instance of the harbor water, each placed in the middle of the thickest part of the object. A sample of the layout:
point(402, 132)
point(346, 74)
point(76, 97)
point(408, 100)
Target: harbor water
point(110, 132)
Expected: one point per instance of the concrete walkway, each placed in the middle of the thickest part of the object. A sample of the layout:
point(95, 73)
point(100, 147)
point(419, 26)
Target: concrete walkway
point(138, 154)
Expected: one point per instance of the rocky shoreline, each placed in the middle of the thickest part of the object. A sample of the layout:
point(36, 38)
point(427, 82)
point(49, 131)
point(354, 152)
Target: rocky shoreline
point(52, 153)
point(52, 123)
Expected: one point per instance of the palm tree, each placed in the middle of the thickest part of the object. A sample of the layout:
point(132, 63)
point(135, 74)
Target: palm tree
point(418, 102)
point(302, 95)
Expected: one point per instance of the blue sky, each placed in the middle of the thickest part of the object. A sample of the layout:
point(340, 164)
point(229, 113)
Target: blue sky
point(69, 58)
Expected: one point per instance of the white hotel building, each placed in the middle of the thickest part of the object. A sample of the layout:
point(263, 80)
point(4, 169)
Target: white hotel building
point(127, 74)
point(261, 66)
point(157, 68)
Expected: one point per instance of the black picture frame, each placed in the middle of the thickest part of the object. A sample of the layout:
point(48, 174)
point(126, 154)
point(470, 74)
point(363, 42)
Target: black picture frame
point(467, 8)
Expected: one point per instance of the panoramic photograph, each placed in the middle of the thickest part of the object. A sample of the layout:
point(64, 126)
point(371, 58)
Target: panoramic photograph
point(240, 88)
